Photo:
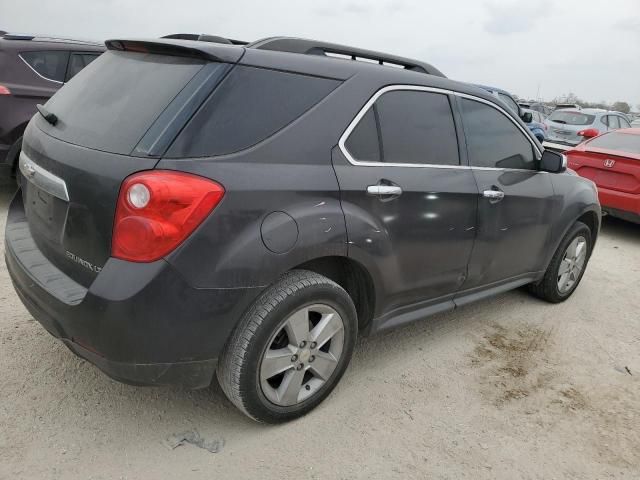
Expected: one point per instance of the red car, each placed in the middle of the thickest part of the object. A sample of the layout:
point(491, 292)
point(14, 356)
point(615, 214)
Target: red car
point(612, 162)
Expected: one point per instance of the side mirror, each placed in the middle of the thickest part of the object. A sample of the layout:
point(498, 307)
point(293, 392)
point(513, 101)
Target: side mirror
point(553, 162)
point(527, 117)
point(589, 133)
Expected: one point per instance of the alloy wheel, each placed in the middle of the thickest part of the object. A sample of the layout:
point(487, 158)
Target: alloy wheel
point(302, 355)
point(572, 264)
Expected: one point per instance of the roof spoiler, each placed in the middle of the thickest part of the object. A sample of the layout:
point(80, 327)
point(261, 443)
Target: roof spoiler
point(203, 37)
point(313, 47)
point(166, 47)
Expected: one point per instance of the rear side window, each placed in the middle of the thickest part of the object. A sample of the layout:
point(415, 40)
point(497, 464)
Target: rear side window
point(77, 61)
point(613, 122)
point(407, 126)
point(571, 118)
point(623, 142)
point(493, 140)
point(117, 98)
point(50, 65)
point(363, 143)
point(249, 105)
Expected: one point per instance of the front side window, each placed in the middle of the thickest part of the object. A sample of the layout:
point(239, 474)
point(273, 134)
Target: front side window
point(50, 65)
point(509, 102)
point(624, 123)
point(493, 140)
point(406, 126)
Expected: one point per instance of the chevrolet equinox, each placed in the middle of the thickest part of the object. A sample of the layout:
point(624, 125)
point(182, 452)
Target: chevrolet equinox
point(198, 208)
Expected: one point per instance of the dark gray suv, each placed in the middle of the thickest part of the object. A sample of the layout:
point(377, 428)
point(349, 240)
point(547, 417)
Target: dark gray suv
point(32, 68)
point(192, 207)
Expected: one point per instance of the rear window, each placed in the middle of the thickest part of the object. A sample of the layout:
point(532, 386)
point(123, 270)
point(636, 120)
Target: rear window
point(248, 106)
point(50, 65)
point(113, 101)
point(624, 142)
point(572, 118)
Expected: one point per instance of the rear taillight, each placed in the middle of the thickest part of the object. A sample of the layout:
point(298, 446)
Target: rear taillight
point(4, 90)
point(589, 132)
point(158, 210)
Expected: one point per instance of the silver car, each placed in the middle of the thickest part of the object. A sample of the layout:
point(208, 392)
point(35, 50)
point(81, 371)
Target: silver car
point(567, 128)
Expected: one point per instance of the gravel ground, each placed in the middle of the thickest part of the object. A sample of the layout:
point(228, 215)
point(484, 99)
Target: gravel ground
point(507, 388)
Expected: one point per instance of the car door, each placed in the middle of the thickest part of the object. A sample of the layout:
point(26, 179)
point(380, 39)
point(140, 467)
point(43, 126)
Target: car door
point(515, 198)
point(410, 207)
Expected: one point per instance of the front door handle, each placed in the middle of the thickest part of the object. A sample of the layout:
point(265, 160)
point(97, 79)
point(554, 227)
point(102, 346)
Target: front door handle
point(384, 190)
point(493, 194)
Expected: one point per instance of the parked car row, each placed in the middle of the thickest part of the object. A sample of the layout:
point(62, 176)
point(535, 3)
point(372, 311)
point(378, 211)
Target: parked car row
point(568, 128)
point(32, 69)
point(197, 208)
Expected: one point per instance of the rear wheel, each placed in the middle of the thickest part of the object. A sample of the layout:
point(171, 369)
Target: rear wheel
point(290, 349)
point(567, 266)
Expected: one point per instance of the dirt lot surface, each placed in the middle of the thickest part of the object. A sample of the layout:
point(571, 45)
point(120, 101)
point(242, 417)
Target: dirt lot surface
point(507, 388)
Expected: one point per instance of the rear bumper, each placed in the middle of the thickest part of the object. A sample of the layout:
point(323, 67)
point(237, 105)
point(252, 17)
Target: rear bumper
point(140, 323)
point(620, 204)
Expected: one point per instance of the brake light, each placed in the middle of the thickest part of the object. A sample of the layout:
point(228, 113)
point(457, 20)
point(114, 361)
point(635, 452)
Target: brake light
point(589, 133)
point(4, 90)
point(157, 210)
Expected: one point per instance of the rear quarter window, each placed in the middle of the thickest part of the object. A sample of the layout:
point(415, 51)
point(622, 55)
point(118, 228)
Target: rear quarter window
point(51, 65)
point(248, 106)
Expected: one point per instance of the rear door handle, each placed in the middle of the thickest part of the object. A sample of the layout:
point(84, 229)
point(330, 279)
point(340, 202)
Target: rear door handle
point(384, 190)
point(493, 194)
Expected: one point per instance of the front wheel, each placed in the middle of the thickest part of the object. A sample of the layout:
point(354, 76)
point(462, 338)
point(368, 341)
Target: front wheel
point(290, 349)
point(567, 266)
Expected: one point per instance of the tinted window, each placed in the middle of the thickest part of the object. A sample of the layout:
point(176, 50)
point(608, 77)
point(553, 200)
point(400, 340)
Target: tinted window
point(117, 99)
point(51, 65)
point(417, 127)
point(509, 101)
point(493, 140)
point(363, 144)
point(77, 61)
point(250, 105)
point(571, 118)
point(623, 142)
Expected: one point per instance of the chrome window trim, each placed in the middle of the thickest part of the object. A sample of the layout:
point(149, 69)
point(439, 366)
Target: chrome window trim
point(39, 74)
point(391, 88)
point(42, 178)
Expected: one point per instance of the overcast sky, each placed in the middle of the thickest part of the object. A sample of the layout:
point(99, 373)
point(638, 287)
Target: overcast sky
point(588, 47)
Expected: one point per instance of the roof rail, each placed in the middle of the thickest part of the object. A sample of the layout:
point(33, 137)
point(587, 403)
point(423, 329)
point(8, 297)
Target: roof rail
point(203, 37)
point(17, 36)
point(313, 47)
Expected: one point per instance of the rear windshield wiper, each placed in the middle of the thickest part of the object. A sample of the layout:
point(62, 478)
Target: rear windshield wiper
point(47, 115)
point(557, 121)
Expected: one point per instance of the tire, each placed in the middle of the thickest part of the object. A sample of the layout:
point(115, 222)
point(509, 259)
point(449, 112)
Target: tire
point(549, 288)
point(300, 297)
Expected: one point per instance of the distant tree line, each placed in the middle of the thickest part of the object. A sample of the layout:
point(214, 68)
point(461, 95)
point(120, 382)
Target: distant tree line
point(619, 106)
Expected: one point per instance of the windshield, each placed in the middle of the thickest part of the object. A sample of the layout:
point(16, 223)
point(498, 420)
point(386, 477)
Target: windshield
point(624, 142)
point(571, 118)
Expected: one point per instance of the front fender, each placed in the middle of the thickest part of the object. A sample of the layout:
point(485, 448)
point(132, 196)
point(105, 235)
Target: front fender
point(575, 197)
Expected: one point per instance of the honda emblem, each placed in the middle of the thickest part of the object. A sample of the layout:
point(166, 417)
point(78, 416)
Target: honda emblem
point(609, 163)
